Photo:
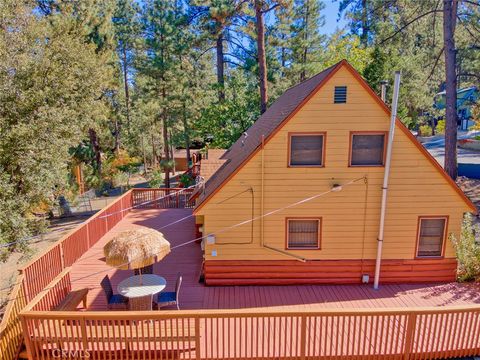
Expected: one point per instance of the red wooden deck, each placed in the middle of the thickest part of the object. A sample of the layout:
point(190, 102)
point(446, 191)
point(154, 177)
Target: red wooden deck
point(91, 268)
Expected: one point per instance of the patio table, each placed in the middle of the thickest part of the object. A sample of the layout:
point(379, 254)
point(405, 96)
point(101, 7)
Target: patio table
point(141, 285)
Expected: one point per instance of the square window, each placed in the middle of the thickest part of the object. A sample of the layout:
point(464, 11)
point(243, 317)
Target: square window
point(431, 235)
point(303, 233)
point(306, 150)
point(367, 150)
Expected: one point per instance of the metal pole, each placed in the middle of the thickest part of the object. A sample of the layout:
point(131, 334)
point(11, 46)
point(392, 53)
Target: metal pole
point(383, 88)
point(381, 229)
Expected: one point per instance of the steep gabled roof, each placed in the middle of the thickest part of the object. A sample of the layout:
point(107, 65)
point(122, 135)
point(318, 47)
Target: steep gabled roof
point(283, 109)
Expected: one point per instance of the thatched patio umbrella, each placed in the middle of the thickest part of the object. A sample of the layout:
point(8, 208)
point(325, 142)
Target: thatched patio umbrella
point(135, 249)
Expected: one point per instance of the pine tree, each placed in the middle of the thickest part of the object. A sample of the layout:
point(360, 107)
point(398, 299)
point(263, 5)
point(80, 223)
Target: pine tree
point(165, 48)
point(127, 33)
point(307, 40)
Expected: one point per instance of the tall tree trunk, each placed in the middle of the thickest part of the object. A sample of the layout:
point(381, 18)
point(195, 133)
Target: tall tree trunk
point(166, 152)
point(154, 154)
point(262, 61)
point(365, 26)
point(116, 145)
point(449, 16)
point(92, 134)
point(186, 130)
point(303, 74)
point(125, 84)
point(220, 68)
point(144, 156)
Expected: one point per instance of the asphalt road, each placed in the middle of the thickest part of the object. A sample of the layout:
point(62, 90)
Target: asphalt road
point(468, 160)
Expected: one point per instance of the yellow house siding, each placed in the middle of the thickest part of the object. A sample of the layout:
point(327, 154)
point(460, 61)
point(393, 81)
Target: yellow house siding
point(350, 217)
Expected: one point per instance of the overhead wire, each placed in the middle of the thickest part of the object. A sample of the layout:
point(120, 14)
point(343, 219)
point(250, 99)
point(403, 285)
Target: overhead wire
point(272, 212)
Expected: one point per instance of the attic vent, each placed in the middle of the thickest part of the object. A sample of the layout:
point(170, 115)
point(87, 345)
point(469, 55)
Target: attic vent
point(340, 95)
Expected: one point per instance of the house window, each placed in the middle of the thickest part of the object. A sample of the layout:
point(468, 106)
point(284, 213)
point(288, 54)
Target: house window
point(367, 149)
point(340, 95)
point(303, 233)
point(431, 235)
point(306, 149)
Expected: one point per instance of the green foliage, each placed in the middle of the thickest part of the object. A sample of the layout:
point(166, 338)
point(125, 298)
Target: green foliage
point(156, 179)
point(51, 83)
point(167, 165)
point(440, 128)
point(344, 46)
point(186, 180)
point(425, 130)
point(222, 124)
point(121, 179)
point(467, 250)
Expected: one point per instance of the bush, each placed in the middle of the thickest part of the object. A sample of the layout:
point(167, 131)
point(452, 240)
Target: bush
point(120, 179)
point(440, 129)
point(167, 165)
point(186, 180)
point(122, 160)
point(425, 130)
point(467, 251)
point(156, 179)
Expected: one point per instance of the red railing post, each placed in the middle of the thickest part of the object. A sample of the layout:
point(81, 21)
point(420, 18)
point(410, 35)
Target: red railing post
point(409, 335)
point(197, 338)
point(303, 337)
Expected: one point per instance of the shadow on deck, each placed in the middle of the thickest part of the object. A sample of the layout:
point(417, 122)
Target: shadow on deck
point(89, 270)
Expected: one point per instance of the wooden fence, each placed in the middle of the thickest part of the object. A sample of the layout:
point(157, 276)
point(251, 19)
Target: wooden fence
point(421, 333)
point(43, 269)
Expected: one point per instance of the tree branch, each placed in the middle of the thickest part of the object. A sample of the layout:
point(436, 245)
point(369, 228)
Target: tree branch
point(467, 29)
point(234, 56)
point(271, 8)
point(234, 63)
point(248, 52)
point(407, 25)
point(469, 75)
point(434, 65)
point(204, 52)
point(469, 2)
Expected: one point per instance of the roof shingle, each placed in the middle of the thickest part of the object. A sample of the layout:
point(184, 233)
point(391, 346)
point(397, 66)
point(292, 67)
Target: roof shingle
point(275, 115)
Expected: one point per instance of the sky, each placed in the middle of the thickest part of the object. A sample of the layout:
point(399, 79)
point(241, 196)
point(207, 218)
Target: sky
point(331, 16)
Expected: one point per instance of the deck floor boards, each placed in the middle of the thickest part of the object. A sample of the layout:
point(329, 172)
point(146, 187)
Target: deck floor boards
point(89, 270)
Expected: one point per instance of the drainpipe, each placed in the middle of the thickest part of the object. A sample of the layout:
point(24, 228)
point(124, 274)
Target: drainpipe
point(262, 238)
point(381, 229)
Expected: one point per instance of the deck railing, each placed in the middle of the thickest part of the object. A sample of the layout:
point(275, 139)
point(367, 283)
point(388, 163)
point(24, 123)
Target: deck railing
point(426, 333)
point(44, 268)
point(10, 328)
point(419, 333)
point(163, 198)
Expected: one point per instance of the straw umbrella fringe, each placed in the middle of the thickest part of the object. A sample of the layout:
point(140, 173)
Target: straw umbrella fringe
point(134, 249)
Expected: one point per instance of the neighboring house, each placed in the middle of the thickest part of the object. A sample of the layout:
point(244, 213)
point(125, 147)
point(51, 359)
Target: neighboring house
point(180, 157)
point(211, 161)
point(324, 132)
point(466, 99)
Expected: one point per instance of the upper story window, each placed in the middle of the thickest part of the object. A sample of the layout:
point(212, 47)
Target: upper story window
point(340, 95)
point(307, 149)
point(303, 233)
point(431, 236)
point(367, 149)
